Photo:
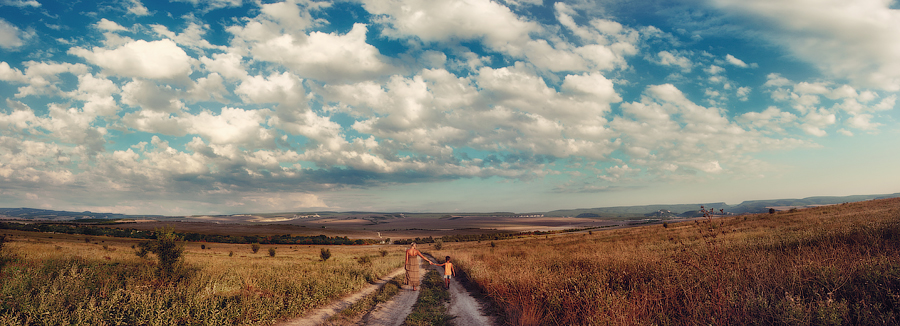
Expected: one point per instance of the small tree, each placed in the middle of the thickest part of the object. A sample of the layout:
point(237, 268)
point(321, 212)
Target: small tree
point(325, 254)
point(271, 252)
point(167, 249)
point(254, 247)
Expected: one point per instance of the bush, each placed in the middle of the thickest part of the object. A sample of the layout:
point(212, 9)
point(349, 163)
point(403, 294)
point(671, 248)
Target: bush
point(167, 249)
point(271, 252)
point(438, 245)
point(364, 260)
point(383, 252)
point(203, 246)
point(325, 254)
point(254, 247)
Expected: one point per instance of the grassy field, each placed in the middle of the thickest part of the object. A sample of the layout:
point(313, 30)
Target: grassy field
point(832, 265)
point(59, 279)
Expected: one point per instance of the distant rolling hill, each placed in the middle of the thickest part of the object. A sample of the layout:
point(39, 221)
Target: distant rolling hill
point(620, 212)
point(34, 213)
point(747, 207)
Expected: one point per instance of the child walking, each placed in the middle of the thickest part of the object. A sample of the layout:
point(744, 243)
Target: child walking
point(448, 271)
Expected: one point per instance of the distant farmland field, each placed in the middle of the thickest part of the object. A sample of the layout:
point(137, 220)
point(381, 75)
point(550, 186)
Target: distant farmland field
point(832, 265)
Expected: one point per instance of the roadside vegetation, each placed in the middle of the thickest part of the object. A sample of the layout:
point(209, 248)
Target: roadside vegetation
point(59, 279)
point(431, 307)
point(831, 265)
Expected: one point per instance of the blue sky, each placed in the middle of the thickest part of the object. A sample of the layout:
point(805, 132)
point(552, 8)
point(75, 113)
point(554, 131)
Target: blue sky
point(231, 106)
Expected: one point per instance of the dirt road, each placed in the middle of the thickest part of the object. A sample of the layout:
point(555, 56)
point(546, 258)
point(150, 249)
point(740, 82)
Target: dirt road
point(319, 316)
point(392, 313)
point(462, 305)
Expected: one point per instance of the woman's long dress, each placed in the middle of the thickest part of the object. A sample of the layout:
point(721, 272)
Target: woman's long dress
point(412, 271)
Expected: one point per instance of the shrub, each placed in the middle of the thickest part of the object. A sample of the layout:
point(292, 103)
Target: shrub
point(438, 245)
point(203, 246)
point(230, 253)
point(383, 252)
point(271, 252)
point(254, 247)
point(167, 249)
point(364, 260)
point(325, 254)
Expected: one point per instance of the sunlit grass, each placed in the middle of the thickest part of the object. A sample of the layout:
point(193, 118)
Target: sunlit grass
point(825, 266)
point(68, 281)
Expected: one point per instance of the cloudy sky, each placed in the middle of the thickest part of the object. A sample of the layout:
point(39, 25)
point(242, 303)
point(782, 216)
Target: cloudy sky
point(231, 106)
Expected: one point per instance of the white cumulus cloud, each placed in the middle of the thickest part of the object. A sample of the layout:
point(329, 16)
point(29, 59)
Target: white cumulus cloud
point(161, 59)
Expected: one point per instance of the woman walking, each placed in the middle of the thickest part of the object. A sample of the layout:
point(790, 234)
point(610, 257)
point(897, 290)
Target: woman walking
point(412, 266)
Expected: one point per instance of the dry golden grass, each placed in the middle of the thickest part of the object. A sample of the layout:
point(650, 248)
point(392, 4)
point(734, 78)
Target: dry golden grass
point(831, 265)
point(65, 280)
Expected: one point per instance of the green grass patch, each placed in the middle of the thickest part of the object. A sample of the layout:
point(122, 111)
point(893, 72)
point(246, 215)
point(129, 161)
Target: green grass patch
point(431, 307)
